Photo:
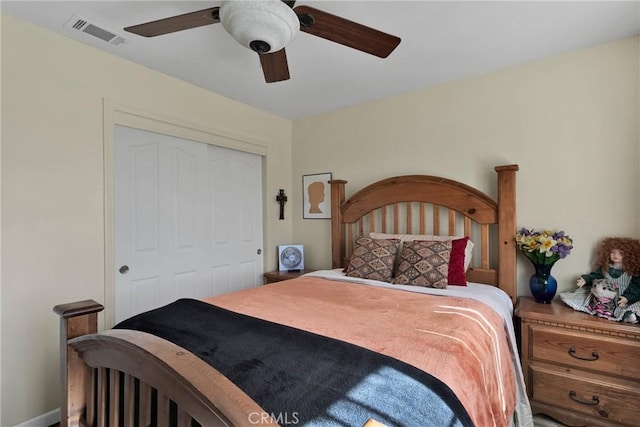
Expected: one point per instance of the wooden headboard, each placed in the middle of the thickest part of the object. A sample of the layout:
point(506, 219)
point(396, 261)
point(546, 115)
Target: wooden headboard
point(422, 204)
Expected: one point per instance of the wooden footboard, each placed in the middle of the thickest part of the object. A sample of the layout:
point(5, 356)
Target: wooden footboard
point(123, 377)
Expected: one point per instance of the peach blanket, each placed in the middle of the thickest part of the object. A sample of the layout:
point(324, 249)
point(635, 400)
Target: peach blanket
point(460, 341)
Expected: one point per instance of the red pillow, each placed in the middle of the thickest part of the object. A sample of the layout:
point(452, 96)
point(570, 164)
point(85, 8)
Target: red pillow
point(457, 274)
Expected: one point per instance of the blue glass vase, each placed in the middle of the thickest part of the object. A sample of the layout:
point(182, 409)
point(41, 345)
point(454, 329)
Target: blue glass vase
point(542, 284)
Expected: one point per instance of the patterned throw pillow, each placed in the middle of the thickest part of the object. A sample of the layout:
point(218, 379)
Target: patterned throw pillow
point(468, 248)
point(373, 259)
point(424, 263)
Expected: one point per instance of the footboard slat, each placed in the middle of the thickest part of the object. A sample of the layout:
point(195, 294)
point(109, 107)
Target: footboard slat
point(110, 378)
point(129, 400)
point(184, 420)
point(164, 410)
point(91, 397)
point(102, 398)
point(145, 406)
point(114, 397)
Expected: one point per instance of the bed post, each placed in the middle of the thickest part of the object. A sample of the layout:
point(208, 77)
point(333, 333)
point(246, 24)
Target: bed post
point(506, 229)
point(337, 228)
point(76, 319)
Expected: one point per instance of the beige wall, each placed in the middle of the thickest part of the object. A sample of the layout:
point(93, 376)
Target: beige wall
point(52, 188)
point(570, 122)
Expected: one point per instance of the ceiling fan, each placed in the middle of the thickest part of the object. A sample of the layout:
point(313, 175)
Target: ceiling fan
point(267, 26)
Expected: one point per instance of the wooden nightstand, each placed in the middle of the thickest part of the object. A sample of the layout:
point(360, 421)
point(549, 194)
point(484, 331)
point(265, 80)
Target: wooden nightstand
point(279, 276)
point(579, 369)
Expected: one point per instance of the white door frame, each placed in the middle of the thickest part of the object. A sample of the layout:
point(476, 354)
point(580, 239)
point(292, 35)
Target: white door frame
point(118, 113)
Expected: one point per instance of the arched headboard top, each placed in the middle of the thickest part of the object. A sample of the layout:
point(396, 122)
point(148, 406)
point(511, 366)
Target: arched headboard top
point(421, 188)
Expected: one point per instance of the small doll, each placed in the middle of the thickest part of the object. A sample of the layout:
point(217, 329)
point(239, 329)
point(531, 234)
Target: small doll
point(605, 298)
point(612, 291)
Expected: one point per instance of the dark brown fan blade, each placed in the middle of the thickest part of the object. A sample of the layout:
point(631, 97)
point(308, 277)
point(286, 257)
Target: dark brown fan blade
point(176, 23)
point(345, 32)
point(274, 66)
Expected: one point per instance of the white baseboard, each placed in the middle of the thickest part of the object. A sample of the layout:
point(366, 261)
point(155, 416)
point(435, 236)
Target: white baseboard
point(44, 420)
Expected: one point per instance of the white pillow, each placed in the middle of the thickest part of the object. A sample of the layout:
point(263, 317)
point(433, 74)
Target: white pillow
point(468, 250)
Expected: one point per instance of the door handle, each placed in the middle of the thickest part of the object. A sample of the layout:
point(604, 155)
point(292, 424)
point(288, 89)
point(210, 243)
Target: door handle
point(124, 269)
point(259, 251)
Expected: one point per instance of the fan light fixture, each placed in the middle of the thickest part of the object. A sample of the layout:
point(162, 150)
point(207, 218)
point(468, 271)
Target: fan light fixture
point(267, 26)
point(262, 26)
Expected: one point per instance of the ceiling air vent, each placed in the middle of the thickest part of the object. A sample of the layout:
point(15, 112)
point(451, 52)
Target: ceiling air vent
point(79, 24)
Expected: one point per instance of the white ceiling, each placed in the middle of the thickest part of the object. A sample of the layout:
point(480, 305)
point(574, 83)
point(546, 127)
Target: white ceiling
point(441, 41)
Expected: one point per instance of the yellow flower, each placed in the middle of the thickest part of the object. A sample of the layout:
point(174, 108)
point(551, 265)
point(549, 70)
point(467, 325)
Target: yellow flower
point(546, 243)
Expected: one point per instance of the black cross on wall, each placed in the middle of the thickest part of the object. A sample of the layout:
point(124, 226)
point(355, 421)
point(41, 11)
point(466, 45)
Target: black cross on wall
point(282, 199)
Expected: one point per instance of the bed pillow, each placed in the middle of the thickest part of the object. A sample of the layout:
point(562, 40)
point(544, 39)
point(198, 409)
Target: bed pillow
point(373, 258)
point(457, 273)
point(468, 250)
point(424, 263)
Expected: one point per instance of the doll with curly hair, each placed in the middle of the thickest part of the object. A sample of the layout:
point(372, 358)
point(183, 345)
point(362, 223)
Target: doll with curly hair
point(611, 291)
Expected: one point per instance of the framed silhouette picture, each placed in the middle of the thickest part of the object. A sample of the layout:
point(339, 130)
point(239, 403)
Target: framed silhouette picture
point(316, 196)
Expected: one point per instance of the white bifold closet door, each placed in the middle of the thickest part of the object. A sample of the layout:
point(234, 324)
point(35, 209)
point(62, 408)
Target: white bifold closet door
point(188, 220)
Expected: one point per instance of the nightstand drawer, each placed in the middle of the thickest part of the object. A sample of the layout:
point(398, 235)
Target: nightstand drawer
point(598, 396)
point(586, 351)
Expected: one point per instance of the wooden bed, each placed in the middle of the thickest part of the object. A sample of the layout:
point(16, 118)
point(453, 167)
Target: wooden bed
point(113, 377)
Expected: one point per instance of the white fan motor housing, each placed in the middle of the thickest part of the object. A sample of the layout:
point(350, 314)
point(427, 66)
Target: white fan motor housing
point(270, 21)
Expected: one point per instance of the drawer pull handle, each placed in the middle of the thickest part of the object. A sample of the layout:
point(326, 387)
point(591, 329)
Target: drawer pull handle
point(594, 402)
point(594, 355)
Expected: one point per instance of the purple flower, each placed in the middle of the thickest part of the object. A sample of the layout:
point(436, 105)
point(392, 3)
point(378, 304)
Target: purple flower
point(524, 232)
point(563, 251)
